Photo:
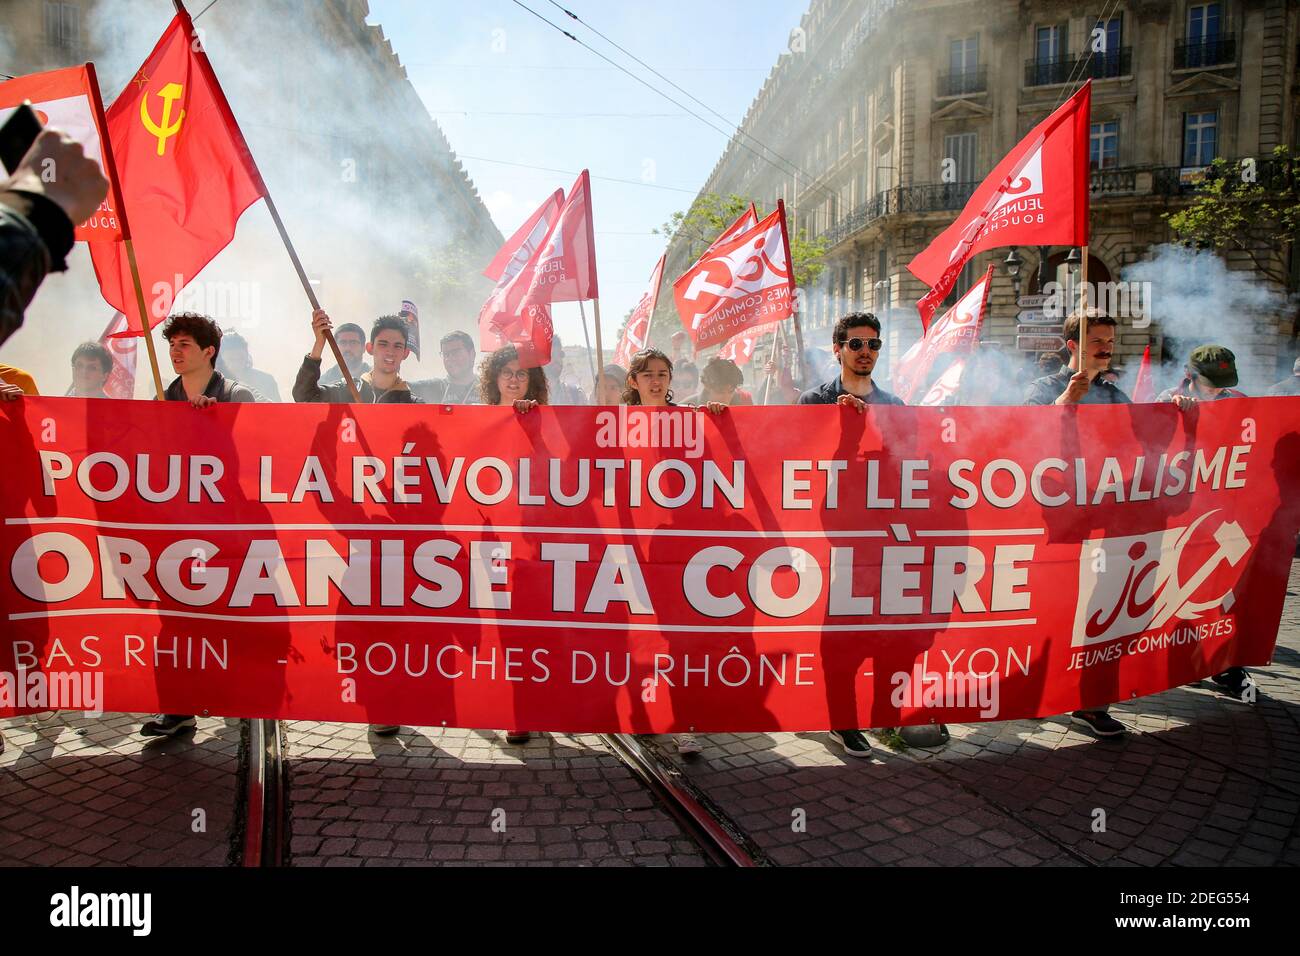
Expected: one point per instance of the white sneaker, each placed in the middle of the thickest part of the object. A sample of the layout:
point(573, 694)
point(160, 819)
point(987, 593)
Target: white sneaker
point(687, 744)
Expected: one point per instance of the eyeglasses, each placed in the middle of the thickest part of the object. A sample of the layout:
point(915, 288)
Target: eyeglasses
point(519, 376)
point(855, 344)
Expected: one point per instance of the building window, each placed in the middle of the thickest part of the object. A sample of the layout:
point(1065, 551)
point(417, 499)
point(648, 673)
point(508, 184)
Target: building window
point(1104, 152)
point(1106, 50)
point(884, 170)
point(63, 25)
point(1200, 138)
point(1051, 63)
point(960, 148)
point(1205, 44)
point(963, 68)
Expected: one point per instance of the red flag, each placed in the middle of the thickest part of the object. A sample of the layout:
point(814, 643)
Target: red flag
point(504, 317)
point(185, 172)
point(66, 100)
point(637, 329)
point(121, 381)
point(519, 248)
point(741, 282)
point(740, 348)
point(1144, 389)
point(1037, 195)
point(748, 220)
point(954, 333)
point(566, 266)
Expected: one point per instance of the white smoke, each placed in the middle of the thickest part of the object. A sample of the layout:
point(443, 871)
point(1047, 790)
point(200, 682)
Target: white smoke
point(353, 173)
point(1198, 300)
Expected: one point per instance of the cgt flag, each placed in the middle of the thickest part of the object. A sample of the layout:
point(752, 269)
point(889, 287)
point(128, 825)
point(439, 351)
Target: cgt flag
point(743, 281)
point(1037, 195)
point(185, 171)
point(637, 329)
point(565, 270)
point(954, 333)
point(504, 318)
point(66, 100)
point(740, 348)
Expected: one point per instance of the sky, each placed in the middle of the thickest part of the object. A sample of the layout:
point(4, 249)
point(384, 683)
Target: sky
point(510, 92)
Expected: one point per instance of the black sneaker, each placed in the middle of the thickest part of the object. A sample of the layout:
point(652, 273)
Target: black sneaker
point(517, 738)
point(1237, 684)
point(385, 730)
point(167, 725)
point(1102, 723)
point(854, 742)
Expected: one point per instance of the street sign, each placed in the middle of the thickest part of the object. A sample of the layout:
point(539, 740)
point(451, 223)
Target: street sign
point(1030, 317)
point(1040, 329)
point(1039, 343)
point(1032, 301)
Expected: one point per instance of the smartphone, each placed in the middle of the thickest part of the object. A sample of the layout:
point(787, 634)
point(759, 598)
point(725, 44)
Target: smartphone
point(17, 136)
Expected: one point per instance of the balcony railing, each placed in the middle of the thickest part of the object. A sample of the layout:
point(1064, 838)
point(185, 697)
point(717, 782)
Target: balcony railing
point(1116, 181)
point(1190, 54)
point(1054, 69)
point(1108, 65)
point(964, 83)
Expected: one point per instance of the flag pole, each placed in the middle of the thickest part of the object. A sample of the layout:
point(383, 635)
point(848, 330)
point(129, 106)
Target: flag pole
point(794, 298)
point(1083, 306)
point(595, 375)
point(220, 96)
point(98, 103)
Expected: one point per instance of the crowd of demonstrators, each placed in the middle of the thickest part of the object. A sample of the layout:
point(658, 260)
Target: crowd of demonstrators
point(562, 393)
point(1289, 385)
point(236, 361)
point(388, 346)
point(461, 386)
point(92, 364)
point(351, 340)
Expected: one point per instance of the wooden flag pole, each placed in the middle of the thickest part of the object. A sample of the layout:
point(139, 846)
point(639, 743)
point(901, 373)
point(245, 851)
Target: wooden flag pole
point(1083, 307)
point(92, 80)
point(798, 329)
point(144, 317)
point(595, 373)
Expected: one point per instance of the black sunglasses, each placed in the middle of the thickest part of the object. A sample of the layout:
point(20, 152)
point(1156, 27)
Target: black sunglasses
point(855, 344)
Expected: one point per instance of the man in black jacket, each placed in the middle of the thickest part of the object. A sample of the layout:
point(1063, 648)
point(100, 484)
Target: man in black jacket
point(383, 383)
point(856, 344)
point(193, 342)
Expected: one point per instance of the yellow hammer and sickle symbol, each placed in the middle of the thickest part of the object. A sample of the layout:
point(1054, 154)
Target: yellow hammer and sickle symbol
point(169, 93)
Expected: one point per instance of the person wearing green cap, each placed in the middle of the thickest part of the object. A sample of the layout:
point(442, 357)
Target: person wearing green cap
point(1210, 375)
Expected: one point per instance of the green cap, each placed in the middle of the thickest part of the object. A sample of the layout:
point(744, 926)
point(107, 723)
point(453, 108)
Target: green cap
point(1216, 363)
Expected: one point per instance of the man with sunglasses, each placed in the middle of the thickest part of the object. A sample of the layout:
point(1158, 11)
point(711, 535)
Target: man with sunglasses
point(856, 343)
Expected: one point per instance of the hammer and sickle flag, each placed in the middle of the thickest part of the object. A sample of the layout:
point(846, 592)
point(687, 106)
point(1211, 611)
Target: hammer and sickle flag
point(186, 176)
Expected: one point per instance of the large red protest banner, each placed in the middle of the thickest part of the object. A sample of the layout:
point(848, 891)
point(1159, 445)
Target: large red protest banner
point(624, 569)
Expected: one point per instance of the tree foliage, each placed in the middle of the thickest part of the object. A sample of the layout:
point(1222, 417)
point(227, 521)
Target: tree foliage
point(1246, 207)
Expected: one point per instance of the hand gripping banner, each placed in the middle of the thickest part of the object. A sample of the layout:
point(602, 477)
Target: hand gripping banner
point(647, 570)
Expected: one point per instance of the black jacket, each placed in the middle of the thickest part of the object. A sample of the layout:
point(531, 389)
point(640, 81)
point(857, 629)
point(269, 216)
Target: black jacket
point(219, 387)
point(308, 388)
point(35, 236)
point(829, 393)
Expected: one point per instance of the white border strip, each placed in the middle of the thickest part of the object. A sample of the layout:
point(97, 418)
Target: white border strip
point(501, 622)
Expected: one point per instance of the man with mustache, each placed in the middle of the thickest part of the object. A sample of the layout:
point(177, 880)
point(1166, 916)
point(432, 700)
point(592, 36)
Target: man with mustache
point(1081, 383)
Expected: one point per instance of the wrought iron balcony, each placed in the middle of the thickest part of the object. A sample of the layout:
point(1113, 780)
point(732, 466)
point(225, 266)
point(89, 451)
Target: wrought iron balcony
point(1108, 65)
point(1069, 67)
point(1056, 69)
point(964, 83)
point(1215, 51)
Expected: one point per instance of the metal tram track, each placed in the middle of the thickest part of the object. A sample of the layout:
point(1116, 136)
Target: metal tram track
point(716, 834)
point(265, 830)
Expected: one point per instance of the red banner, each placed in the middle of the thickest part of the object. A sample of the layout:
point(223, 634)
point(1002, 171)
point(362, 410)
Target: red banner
point(583, 569)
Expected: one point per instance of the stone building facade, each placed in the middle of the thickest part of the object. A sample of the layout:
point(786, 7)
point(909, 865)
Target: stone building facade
point(881, 118)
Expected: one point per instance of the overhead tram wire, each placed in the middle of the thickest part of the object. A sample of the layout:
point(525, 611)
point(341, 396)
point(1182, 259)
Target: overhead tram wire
point(653, 89)
point(572, 172)
point(795, 168)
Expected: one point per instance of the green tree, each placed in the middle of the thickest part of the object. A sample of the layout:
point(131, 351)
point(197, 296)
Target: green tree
point(1246, 207)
